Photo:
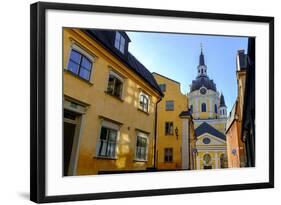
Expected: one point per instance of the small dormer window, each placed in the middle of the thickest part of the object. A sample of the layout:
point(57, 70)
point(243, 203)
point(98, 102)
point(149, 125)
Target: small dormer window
point(119, 42)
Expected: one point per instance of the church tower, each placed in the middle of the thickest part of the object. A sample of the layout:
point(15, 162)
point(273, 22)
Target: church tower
point(222, 108)
point(209, 114)
point(202, 68)
point(203, 96)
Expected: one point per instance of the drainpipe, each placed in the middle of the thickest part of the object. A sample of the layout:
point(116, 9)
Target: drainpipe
point(155, 133)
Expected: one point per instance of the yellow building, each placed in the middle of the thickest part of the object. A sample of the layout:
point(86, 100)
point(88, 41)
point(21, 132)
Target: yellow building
point(110, 102)
point(209, 113)
point(175, 129)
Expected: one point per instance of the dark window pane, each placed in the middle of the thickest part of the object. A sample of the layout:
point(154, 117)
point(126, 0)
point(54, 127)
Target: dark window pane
point(216, 109)
point(122, 44)
point(80, 65)
point(117, 40)
point(203, 107)
point(141, 148)
point(162, 87)
point(114, 86)
point(118, 88)
point(103, 134)
point(73, 67)
point(86, 63)
point(75, 56)
point(112, 135)
point(110, 86)
point(84, 73)
point(107, 142)
point(144, 102)
point(169, 105)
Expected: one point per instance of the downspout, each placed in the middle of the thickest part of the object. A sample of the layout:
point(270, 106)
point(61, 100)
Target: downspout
point(155, 133)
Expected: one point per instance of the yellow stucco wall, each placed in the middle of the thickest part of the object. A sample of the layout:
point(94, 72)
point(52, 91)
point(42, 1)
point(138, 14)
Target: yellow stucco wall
point(172, 92)
point(102, 105)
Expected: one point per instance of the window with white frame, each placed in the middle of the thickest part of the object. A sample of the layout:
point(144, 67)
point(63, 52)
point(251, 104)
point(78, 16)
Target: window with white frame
point(115, 85)
point(143, 102)
point(106, 146)
point(119, 42)
point(141, 146)
point(80, 64)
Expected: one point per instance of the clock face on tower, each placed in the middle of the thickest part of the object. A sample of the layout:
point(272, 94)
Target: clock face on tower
point(203, 91)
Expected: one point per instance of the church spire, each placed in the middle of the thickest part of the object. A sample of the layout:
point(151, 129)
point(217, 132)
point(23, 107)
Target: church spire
point(202, 68)
point(222, 102)
point(201, 58)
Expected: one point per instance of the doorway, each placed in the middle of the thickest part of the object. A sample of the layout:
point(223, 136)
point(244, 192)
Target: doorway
point(71, 128)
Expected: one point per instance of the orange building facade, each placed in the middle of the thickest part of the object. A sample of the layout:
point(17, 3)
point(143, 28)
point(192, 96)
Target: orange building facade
point(235, 144)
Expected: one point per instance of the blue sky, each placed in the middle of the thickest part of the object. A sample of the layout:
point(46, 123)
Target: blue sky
point(177, 56)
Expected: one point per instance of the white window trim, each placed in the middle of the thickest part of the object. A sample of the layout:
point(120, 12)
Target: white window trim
point(115, 74)
point(92, 58)
point(143, 135)
point(148, 103)
point(109, 125)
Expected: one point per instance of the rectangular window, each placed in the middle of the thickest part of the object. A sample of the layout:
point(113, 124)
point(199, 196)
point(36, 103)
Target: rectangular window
point(169, 128)
point(162, 87)
point(115, 85)
point(169, 105)
point(168, 154)
point(107, 142)
point(119, 42)
point(143, 102)
point(141, 147)
point(79, 65)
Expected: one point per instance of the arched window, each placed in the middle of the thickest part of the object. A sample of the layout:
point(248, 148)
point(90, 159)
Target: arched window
point(207, 161)
point(144, 101)
point(191, 108)
point(203, 107)
point(216, 109)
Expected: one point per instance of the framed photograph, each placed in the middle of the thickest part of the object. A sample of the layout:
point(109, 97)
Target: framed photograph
point(129, 102)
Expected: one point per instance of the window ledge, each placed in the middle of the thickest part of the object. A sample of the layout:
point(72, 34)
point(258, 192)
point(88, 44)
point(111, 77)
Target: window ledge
point(139, 109)
point(117, 98)
point(106, 158)
point(140, 160)
point(78, 77)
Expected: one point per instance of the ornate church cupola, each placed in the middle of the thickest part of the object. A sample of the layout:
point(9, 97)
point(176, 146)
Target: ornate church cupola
point(222, 107)
point(202, 68)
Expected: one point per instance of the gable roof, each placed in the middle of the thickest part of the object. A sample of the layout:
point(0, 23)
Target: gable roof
point(206, 128)
point(106, 38)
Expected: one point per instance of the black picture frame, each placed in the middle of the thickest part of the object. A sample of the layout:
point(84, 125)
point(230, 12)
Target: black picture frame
point(38, 100)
